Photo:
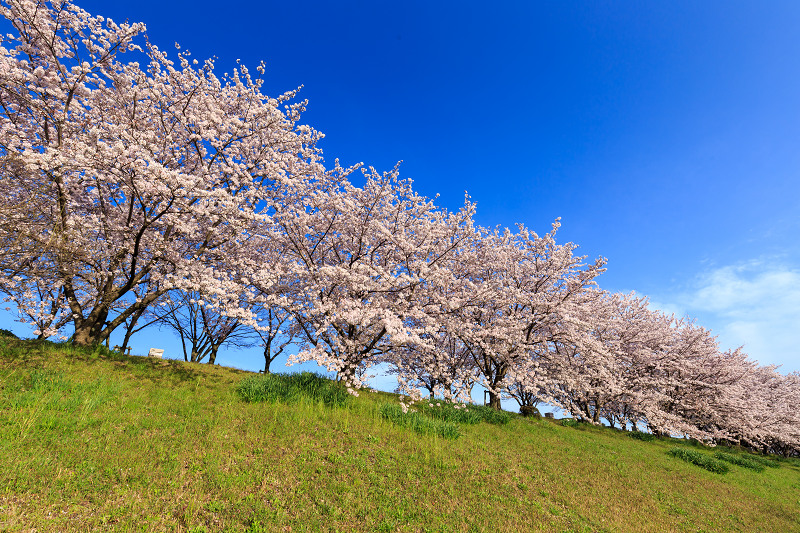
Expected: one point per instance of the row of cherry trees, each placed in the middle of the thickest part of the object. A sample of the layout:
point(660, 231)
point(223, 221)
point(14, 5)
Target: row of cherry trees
point(136, 189)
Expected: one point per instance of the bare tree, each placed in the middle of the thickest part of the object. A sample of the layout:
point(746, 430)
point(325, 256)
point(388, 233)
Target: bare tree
point(275, 332)
point(202, 329)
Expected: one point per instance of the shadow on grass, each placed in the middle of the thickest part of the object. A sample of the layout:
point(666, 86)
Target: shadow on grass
point(19, 353)
point(175, 371)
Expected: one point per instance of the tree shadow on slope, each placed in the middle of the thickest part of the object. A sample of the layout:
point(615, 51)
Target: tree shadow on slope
point(174, 371)
point(33, 353)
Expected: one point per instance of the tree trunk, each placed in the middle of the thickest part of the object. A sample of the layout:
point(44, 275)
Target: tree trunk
point(125, 340)
point(500, 371)
point(268, 354)
point(134, 319)
point(494, 401)
point(91, 331)
point(431, 388)
point(212, 357)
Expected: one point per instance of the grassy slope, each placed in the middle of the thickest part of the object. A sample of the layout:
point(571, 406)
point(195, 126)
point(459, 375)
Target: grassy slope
point(92, 442)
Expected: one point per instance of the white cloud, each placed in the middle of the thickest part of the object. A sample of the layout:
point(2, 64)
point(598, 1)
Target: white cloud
point(740, 290)
point(755, 304)
point(669, 308)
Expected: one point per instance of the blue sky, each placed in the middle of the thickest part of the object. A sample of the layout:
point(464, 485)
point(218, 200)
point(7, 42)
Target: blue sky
point(665, 134)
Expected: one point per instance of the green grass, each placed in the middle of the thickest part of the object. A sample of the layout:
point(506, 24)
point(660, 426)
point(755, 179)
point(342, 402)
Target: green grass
point(641, 435)
point(95, 441)
point(290, 388)
point(769, 462)
point(700, 459)
point(471, 414)
point(418, 422)
point(740, 460)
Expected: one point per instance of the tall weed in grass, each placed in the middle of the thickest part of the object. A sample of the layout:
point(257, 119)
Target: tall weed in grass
point(491, 415)
point(417, 422)
point(288, 388)
point(641, 435)
point(447, 412)
point(699, 459)
point(740, 460)
point(471, 414)
point(765, 461)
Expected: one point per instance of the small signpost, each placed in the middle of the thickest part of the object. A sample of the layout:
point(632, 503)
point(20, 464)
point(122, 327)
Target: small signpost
point(155, 352)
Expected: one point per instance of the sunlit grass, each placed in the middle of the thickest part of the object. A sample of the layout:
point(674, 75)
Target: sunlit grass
point(700, 459)
point(290, 388)
point(96, 441)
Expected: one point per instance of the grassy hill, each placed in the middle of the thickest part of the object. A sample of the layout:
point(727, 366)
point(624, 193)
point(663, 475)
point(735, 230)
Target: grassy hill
point(98, 441)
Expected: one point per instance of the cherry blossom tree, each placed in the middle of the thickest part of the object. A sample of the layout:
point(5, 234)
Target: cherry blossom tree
point(40, 305)
point(685, 385)
point(580, 364)
point(760, 412)
point(517, 288)
point(114, 174)
point(442, 366)
point(607, 358)
point(360, 262)
point(778, 422)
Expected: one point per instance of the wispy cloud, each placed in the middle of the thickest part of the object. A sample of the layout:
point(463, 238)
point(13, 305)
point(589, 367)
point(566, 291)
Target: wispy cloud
point(755, 304)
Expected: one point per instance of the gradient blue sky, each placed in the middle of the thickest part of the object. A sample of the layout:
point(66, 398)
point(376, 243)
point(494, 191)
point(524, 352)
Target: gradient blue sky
point(665, 134)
